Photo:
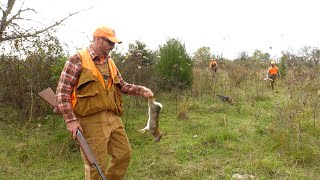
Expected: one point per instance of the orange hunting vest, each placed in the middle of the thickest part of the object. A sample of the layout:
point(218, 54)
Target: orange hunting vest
point(273, 70)
point(213, 64)
point(91, 94)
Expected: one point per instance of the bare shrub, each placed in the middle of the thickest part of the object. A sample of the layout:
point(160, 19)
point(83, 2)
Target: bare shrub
point(182, 112)
point(202, 81)
point(237, 73)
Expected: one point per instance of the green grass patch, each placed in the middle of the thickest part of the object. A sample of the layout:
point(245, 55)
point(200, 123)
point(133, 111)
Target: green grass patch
point(266, 136)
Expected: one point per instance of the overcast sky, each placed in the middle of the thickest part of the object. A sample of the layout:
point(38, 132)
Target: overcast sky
point(228, 27)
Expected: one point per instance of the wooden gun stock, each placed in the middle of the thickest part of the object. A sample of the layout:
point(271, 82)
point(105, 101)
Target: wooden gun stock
point(49, 96)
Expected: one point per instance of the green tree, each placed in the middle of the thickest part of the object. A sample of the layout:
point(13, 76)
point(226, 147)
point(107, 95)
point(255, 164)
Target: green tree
point(258, 55)
point(283, 65)
point(174, 66)
point(310, 55)
point(202, 57)
point(243, 56)
point(136, 66)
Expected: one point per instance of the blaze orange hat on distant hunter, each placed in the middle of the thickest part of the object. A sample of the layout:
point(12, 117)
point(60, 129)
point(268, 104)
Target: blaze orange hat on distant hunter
point(105, 31)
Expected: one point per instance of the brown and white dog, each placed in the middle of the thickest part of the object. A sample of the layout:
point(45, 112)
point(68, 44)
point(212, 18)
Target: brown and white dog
point(153, 120)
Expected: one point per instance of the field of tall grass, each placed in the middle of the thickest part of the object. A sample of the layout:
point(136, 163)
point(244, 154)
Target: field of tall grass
point(265, 135)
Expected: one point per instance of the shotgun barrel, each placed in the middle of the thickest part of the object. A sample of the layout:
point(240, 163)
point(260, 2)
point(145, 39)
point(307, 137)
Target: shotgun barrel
point(87, 152)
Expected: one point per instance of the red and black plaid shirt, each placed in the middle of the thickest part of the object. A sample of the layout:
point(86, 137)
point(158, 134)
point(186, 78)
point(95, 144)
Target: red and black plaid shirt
point(69, 77)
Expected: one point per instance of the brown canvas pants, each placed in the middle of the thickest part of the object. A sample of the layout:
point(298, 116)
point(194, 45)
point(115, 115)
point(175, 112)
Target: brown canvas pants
point(272, 83)
point(105, 134)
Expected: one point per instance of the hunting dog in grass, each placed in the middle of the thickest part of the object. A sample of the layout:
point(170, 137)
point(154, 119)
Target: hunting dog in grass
point(226, 99)
point(153, 120)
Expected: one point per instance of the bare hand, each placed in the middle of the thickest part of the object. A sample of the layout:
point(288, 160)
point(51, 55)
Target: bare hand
point(147, 93)
point(56, 110)
point(72, 127)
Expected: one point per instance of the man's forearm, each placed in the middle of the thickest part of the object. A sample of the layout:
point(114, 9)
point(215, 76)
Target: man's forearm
point(133, 90)
point(65, 107)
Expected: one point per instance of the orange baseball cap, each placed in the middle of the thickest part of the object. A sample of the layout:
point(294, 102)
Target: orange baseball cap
point(105, 31)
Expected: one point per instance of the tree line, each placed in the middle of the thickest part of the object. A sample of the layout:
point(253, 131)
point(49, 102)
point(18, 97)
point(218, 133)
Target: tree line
point(32, 59)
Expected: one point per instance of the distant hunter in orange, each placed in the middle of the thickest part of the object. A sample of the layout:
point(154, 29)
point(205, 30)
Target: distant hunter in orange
point(273, 73)
point(213, 65)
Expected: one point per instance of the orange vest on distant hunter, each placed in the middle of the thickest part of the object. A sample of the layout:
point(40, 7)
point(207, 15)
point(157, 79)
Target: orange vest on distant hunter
point(213, 64)
point(273, 70)
point(91, 94)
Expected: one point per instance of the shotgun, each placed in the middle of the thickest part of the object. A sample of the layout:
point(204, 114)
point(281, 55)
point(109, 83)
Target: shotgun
point(49, 96)
point(87, 153)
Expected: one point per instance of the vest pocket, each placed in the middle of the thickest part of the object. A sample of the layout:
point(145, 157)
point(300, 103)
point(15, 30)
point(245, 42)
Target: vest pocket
point(88, 94)
point(88, 99)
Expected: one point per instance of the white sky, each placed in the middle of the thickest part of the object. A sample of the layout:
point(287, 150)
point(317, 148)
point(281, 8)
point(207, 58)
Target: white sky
point(228, 27)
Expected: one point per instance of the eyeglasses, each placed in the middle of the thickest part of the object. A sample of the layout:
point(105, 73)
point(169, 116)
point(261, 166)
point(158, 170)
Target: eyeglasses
point(108, 41)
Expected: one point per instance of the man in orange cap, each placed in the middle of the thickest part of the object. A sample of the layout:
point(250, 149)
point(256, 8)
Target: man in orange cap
point(273, 73)
point(89, 97)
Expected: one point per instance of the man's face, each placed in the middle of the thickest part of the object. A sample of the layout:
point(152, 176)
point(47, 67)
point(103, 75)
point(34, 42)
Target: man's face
point(106, 45)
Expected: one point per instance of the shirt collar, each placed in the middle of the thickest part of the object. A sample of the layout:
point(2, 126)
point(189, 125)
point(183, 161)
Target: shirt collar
point(96, 59)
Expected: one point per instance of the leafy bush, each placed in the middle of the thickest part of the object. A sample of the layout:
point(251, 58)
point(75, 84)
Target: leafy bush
point(174, 66)
point(26, 70)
